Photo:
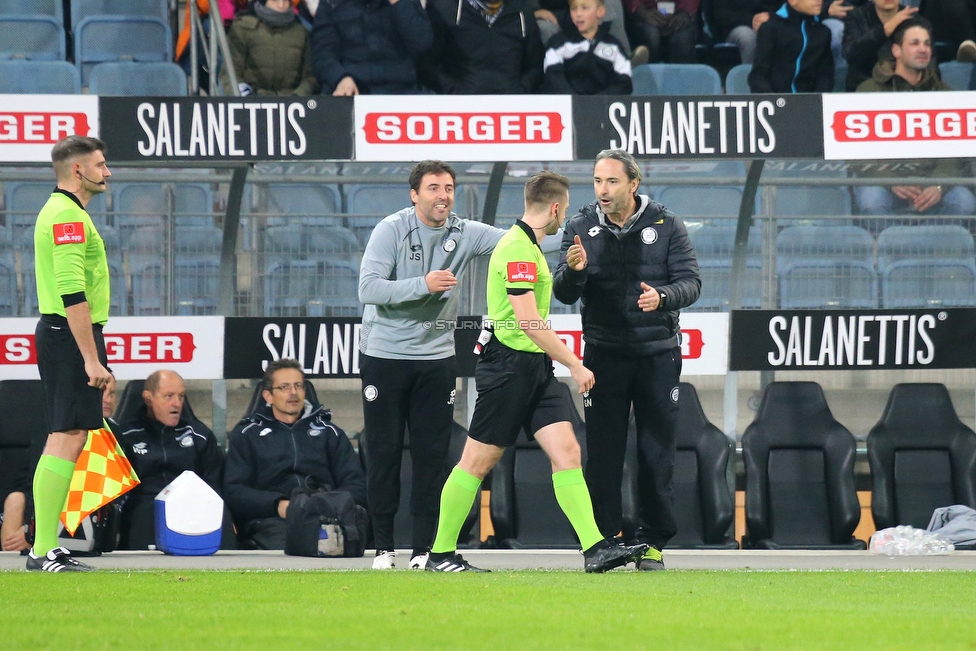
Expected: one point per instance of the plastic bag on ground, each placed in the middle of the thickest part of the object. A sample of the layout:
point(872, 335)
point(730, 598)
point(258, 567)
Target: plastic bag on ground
point(909, 541)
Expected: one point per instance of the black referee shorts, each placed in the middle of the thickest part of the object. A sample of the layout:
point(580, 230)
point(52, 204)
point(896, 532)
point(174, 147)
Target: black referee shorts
point(516, 390)
point(71, 403)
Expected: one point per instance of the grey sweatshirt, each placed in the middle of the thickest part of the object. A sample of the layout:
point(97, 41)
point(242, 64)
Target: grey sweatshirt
point(402, 319)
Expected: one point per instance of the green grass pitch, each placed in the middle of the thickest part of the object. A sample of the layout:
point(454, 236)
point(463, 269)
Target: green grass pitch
point(337, 611)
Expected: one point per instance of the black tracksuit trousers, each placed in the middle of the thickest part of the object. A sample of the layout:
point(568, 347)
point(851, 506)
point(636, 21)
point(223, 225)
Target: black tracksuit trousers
point(650, 385)
point(418, 394)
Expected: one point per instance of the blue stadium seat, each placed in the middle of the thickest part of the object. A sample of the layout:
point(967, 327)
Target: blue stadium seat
point(676, 79)
point(131, 79)
point(193, 204)
point(309, 242)
point(303, 202)
point(926, 266)
point(144, 251)
point(312, 288)
point(197, 269)
point(826, 267)
point(957, 74)
point(25, 200)
point(139, 205)
point(120, 38)
point(840, 78)
point(812, 201)
point(81, 9)
point(8, 276)
point(39, 38)
point(19, 76)
point(52, 8)
point(737, 81)
point(714, 246)
point(369, 204)
point(696, 201)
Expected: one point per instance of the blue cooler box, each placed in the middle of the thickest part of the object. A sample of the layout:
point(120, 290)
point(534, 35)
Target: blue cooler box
point(188, 517)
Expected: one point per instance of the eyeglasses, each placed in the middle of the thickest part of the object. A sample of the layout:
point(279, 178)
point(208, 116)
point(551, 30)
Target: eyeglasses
point(297, 387)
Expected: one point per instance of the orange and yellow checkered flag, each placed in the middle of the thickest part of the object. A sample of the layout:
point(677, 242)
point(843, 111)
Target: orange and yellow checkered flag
point(101, 474)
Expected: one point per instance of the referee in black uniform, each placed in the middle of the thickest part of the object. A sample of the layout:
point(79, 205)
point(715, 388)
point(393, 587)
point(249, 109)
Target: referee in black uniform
point(631, 262)
point(73, 298)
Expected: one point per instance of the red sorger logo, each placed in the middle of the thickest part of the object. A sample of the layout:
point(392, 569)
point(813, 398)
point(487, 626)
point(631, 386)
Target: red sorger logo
point(121, 348)
point(463, 128)
point(40, 128)
point(903, 125)
point(69, 233)
point(691, 343)
point(521, 272)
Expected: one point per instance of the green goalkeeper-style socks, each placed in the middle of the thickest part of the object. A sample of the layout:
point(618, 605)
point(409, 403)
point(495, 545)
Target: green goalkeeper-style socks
point(574, 499)
point(51, 482)
point(456, 500)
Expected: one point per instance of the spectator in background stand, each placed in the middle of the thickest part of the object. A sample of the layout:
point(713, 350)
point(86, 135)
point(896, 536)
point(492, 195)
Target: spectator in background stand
point(793, 52)
point(668, 29)
point(489, 47)
point(270, 51)
point(909, 70)
point(552, 16)
point(586, 59)
point(866, 37)
point(954, 21)
point(369, 46)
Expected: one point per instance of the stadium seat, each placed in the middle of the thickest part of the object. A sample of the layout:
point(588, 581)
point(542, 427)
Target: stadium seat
point(20, 429)
point(197, 269)
point(8, 275)
point(52, 8)
point(826, 267)
point(676, 79)
point(737, 81)
point(120, 38)
point(524, 511)
point(957, 75)
point(131, 79)
point(139, 205)
point(130, 402)
point(703, 503)
point(20, 76)
point(38, 38)
point(81, 9)
point(369, 204)
point(840, 78)
point(714, 247)
point(812, 201)
point(511, 203)
point(922, 457)
point(403, 522)
point(312, 288)
point(926, 266)
point(305, 203)
point(691, 202)
point(799, 465)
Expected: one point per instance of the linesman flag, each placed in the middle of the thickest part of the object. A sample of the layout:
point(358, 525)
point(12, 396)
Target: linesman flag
point(101, 474)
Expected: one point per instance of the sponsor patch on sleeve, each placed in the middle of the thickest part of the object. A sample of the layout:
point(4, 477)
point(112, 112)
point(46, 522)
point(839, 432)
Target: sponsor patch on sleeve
point(522, 272)
point(69, 233)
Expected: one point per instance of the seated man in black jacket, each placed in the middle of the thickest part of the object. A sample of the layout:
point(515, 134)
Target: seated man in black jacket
point(161, 443)
point(289, 443)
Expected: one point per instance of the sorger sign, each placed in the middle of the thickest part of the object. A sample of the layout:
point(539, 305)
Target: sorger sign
point(135, 346)
point(471, 128)
point(31, 124)
point(899, 125)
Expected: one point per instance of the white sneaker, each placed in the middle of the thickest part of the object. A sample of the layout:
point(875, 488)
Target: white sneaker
point(384, 561)
point(419, 561)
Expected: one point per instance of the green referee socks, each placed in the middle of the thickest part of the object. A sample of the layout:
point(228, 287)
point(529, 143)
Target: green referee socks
point(51, 482)
point(456, 500)
point(574, 500)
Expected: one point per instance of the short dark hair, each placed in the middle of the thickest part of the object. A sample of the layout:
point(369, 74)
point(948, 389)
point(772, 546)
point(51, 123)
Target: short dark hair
point(898, 36)
point(630, 165)
point(425, 167)
point(546, 188)
point(277, 365)
point(72, 146)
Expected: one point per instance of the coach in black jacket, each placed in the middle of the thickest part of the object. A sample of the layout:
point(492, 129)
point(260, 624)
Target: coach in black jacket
point(287, 444)
point(631, 262)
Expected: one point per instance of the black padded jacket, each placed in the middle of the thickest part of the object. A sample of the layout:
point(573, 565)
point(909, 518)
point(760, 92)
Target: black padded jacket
point(655, 250)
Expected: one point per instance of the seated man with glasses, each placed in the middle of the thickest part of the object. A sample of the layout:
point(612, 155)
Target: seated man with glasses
point(286, 444)
point(162, 442)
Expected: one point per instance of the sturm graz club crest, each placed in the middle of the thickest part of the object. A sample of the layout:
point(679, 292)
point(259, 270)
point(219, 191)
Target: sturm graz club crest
point(450, 245)
point(370, 393)
point(674, 395)
point(648, 235)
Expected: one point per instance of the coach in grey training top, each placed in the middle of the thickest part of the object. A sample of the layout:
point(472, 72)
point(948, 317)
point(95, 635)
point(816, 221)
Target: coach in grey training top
point(407, 283)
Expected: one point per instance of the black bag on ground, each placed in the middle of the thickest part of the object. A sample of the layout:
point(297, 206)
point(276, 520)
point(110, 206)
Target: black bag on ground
point(325, 523)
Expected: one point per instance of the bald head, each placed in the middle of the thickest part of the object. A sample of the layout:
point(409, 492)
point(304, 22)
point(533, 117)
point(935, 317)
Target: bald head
point(164, 395)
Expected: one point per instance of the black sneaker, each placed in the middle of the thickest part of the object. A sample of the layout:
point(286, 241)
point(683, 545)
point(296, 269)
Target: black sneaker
point(605, 556)
point(652, 561)
point(57, 560)
point(452, 563)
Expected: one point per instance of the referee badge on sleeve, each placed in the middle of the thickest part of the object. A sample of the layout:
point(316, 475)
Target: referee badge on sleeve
point(522, 272)
point(69, 233)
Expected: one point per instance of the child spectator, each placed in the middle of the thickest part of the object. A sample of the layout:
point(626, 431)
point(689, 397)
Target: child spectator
point(793, 51)
point(270, 51)
point(585, 59)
